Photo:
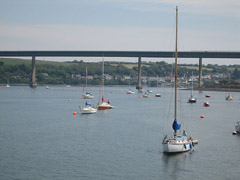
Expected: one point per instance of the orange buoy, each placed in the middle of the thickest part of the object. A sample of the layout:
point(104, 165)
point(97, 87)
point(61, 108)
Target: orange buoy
point(202, 116)
point(74, 113)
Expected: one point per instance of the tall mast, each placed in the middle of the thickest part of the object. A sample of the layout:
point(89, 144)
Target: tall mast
point(103, 75)
point(101, 81)
point(176, 55)
point(192, 86)
point(86, 79)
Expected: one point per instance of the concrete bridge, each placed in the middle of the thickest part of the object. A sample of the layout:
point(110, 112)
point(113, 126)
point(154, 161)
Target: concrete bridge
point(138, 54)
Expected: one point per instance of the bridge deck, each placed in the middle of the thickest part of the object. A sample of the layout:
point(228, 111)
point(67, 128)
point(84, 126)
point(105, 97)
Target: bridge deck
point(149, 54)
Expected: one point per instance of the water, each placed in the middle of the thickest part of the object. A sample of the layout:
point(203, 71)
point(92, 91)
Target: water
point(40, 138)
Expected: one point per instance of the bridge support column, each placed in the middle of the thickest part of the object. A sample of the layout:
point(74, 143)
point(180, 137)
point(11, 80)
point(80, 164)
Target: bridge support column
point(200, 83)
point(139, 86)
point(33, 83)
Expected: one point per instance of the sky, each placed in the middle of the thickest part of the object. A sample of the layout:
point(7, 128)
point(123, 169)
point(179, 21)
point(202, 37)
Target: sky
point(121, 25)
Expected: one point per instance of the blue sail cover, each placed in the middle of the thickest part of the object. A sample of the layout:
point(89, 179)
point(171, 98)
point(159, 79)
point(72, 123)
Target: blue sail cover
point(87, 104)
point(175, 125)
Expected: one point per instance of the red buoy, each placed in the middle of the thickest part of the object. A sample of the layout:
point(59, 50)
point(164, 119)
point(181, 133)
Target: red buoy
point(202, 116)
point(139, 96)
point(74, 113)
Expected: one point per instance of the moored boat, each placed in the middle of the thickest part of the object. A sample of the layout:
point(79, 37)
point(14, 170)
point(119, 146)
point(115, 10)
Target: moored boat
point(129, 91)
point(237, 127)
point(192, 99)
point(229, 97)
point(103, 105)
point(88, 109)
point(149, 91)
point(206, 104)
point(146, 95)
point(87, 95)
point(177, 143)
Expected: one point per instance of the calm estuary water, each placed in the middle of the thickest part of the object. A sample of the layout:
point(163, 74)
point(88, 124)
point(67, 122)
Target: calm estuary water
point(40, 138)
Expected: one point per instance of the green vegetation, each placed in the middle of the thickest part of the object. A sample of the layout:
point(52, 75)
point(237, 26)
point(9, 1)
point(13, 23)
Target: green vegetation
point(18, 71)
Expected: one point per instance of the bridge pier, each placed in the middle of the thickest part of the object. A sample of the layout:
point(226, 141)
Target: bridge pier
point(33, 83)
point(139, 86)
point(200, 83)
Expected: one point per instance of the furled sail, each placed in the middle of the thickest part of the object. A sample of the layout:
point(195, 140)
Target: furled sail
point(175, 125)
point(87, 104)
point(103, 100)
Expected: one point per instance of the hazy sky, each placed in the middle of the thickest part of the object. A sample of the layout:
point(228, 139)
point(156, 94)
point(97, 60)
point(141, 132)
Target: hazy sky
point(141, 25)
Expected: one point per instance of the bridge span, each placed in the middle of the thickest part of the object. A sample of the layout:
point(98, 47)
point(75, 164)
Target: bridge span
point(138, 54)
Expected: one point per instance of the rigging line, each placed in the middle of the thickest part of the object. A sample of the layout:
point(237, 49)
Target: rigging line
point(171, 98)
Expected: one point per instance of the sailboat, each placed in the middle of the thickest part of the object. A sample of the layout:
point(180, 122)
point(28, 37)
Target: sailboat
point(130, 91)
point(158, 94)
point(88, 95)
point(177, 143)
point(192, 99)
point(7, 84)
point(229, 96)
point(146, 95)
point(103, 105)
point(88, 109)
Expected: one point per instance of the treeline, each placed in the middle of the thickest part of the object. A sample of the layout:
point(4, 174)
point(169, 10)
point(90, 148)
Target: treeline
point(74, 72)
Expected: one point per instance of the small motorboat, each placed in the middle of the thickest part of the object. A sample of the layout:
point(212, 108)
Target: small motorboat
point(207, 96)
point(206, 104)
point(158, 95)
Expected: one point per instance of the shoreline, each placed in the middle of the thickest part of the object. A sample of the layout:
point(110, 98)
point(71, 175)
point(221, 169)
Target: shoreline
point(65, 85)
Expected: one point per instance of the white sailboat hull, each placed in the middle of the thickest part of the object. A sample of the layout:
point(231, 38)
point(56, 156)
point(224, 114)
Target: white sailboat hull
point(130, 92)
point(88, 110)
point(87, 96)
point(178, 145)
